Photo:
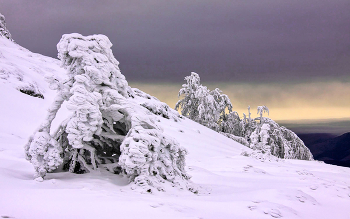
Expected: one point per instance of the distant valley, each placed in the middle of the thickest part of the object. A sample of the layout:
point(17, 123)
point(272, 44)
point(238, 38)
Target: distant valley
point(329, 148)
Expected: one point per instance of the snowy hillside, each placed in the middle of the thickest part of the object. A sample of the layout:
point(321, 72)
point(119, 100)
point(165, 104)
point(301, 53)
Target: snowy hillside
point(232, 185)
point(24, 71)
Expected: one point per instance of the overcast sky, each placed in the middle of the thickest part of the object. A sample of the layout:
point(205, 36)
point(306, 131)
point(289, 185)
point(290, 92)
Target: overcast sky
point(221, 40)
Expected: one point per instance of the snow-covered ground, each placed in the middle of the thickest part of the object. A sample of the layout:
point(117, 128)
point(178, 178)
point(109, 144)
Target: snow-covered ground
point(232, 185)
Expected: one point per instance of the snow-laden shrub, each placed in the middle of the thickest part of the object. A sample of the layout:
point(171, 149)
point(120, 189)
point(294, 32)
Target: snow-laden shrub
point(266, 136)
point(202, 105)
point(282, 142)
point(3, 30)
point(111, 126)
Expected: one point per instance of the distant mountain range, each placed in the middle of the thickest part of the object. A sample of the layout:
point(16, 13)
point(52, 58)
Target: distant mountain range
point(329, 148)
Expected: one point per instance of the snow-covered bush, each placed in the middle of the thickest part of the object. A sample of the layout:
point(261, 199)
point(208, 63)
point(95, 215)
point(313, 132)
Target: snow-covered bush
point(281, 142)
point(270, 138)
point(112, 126)
point(266, 137)
point(3, 30)
point(202, 105)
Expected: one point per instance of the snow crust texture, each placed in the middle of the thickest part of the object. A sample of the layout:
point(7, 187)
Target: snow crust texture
point(111, 126)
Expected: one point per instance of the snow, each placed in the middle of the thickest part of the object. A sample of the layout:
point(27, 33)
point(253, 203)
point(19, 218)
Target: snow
point(232, 185)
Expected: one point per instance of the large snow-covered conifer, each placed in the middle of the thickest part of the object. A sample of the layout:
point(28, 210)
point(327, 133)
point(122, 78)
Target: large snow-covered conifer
point(112, 126)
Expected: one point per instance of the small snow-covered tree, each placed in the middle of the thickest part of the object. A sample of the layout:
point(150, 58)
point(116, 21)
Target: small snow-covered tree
point(260, 141)
point(241, 127)
point(3, 30)
point(261, 111)
point(111, 125)
point(193, 92)
point(202, 105)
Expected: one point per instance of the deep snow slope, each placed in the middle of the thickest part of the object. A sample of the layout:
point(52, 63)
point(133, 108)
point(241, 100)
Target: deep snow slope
point(232, 185)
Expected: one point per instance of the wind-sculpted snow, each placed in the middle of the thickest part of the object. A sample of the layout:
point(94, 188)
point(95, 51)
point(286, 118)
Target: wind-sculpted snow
point(112, 126)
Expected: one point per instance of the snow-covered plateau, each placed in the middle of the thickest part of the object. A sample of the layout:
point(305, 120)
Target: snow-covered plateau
point(230, 185)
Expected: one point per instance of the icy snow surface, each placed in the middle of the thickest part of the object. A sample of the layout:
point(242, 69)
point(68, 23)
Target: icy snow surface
point(233, 186)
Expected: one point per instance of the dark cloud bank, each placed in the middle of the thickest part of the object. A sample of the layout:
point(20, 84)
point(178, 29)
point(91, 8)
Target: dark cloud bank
point(224, 40)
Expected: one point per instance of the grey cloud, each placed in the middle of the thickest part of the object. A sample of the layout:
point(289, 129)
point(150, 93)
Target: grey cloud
point(258, 40)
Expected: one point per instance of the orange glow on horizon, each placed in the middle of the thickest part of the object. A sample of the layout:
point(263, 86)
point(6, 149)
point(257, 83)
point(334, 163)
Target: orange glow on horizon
point(312, 101)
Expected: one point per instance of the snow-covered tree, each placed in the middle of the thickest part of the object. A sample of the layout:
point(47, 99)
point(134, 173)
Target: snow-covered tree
point(111, 126)
point(193, 92)
point(3, 30)
point(261, 111)
point(260, 141)
point(202, 105)
point(232, 123)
